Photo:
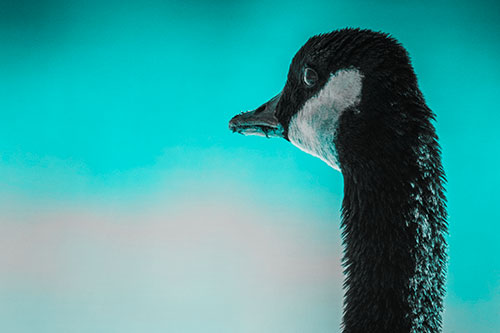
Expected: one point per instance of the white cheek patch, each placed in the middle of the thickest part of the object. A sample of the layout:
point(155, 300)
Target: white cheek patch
point(313, 128)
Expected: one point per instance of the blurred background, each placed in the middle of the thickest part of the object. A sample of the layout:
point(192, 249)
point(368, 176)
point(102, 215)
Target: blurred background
point(126, 205)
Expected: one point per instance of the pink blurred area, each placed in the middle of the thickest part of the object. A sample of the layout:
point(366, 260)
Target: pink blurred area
point(196, 254)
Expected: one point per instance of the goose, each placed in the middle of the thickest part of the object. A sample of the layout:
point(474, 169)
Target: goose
point(351, 99)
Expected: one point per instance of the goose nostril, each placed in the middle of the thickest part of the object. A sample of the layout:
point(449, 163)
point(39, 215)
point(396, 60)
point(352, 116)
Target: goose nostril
point(260, 109)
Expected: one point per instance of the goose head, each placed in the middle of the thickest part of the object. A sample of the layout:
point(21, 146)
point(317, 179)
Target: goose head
point(343, 100)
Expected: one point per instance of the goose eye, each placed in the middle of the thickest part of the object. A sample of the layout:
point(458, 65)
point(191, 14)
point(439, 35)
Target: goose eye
point(310, 77)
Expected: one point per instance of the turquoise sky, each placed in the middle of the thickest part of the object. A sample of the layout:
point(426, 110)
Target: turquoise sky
point(126, 205)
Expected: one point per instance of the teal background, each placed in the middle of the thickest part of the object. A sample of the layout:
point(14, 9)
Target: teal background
point(126, 205)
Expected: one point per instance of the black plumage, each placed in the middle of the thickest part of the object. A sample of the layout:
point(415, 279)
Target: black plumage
point(393, 212)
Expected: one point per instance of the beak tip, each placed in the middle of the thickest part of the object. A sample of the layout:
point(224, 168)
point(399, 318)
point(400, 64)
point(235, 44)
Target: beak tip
point(261, 121)
point(232, 125)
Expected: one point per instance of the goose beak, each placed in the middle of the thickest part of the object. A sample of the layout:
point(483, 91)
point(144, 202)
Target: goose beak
point(261, 121)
